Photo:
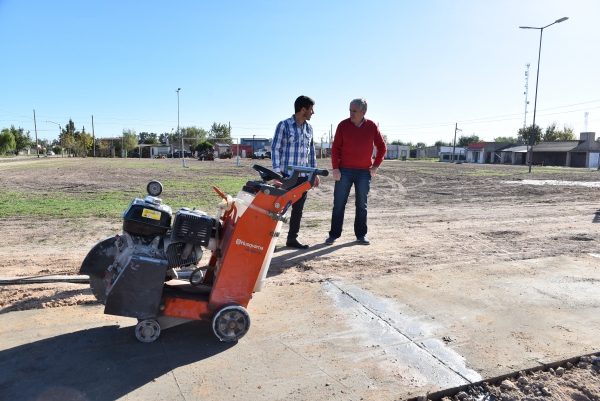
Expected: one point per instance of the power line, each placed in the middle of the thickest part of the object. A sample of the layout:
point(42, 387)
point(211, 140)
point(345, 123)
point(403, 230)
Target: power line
point(388, 129)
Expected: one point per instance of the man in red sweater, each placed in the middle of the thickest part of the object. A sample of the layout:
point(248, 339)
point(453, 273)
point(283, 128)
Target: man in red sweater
point(353, 164)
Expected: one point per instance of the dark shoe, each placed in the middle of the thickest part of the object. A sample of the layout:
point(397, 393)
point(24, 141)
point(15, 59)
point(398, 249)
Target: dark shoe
point(363, 241)
point(330, 241)
point(293, 243)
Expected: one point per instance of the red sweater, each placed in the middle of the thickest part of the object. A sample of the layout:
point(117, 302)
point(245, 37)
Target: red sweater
point(353, 146)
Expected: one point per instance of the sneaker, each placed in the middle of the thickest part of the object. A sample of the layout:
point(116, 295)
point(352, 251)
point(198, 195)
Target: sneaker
point(330, 241)
point(363, 241)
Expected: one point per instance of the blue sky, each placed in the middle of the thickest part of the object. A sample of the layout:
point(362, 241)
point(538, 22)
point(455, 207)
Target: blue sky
point(422, 65)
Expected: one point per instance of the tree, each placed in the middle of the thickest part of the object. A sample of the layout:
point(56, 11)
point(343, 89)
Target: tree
point(197, 135)
point(164, 137)
point(464, 141)
point(409, 144)
point(148, 138)
point(421, 145)
point(130, 139)
point(102, 147)
point(68, 135)
point(442, 143)
point(536, 132)
point(221, 132)
point(7, 141)
point(84, 143)
point(150, 141)
point(554, 134)
point(508, 139)
point(203, 145)
point(22, 140)
point(68, 141)
point(195, 132)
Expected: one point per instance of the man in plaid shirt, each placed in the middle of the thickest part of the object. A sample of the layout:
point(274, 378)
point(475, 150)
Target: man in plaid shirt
point(293, 145)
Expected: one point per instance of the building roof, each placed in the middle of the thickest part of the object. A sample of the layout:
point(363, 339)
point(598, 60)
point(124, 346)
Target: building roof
point(507, 145)
point(476, 146)
point(555, 146)
point(515, 148)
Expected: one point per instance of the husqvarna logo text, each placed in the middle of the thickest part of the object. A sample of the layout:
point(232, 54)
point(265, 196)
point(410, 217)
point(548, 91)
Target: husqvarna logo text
point(241, 242)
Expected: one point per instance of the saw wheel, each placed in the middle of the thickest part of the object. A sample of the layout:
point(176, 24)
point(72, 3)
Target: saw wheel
point(231, 323)
point(147, 330)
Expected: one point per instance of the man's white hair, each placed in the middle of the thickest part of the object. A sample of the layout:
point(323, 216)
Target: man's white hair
point(361, 102)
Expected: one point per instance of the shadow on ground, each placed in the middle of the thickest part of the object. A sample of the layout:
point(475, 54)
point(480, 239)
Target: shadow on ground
point(596, 217)
point(104, 363)
point(290, 259)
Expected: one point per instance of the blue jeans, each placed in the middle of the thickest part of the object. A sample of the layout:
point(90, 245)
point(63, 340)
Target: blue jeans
point(297, 209)
point(361, 179)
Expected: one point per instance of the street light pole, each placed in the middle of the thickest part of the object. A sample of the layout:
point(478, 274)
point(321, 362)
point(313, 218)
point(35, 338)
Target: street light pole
point(531, 141)
point(179, 133)
point(62, 150)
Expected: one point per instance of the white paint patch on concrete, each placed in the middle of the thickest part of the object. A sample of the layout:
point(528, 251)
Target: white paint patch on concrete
point(555, 182)
point(404, 341)
point(596, 255)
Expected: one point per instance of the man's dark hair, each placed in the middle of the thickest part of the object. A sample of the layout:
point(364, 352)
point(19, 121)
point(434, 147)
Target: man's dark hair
point(303, 101)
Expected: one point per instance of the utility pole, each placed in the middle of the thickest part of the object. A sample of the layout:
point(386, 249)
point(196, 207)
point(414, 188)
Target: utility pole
point(526, 92)
point(36, 138)
point(454, 148)
point(93, 138)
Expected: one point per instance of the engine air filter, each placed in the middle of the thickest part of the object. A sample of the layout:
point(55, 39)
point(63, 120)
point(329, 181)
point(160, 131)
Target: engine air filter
point(192, 227)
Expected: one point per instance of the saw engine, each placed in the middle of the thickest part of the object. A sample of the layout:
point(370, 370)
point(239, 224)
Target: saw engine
point(149, 243)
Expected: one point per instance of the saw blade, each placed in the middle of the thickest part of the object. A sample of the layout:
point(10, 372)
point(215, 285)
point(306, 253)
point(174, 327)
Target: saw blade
point(98, 289)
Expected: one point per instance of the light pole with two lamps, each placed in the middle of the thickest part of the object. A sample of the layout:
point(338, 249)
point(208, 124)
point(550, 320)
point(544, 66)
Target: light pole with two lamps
point(62, 149)
point(531, 134)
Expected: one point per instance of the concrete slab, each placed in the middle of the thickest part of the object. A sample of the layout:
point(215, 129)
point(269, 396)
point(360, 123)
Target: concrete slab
point(387, 337)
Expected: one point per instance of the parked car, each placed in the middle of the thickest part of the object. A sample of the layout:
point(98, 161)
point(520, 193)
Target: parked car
point(262, 153)
point(177, 154)
point(49, 153)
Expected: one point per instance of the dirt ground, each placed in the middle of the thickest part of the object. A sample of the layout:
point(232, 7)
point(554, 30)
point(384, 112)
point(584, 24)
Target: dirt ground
point(573, 382)
point(422, 216)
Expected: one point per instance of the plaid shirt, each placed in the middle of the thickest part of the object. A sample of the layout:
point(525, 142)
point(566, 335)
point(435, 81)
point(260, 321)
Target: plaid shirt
point(293, 145)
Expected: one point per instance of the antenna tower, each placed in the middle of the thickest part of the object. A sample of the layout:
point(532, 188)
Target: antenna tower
point(585, 121)
point(525, 93)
